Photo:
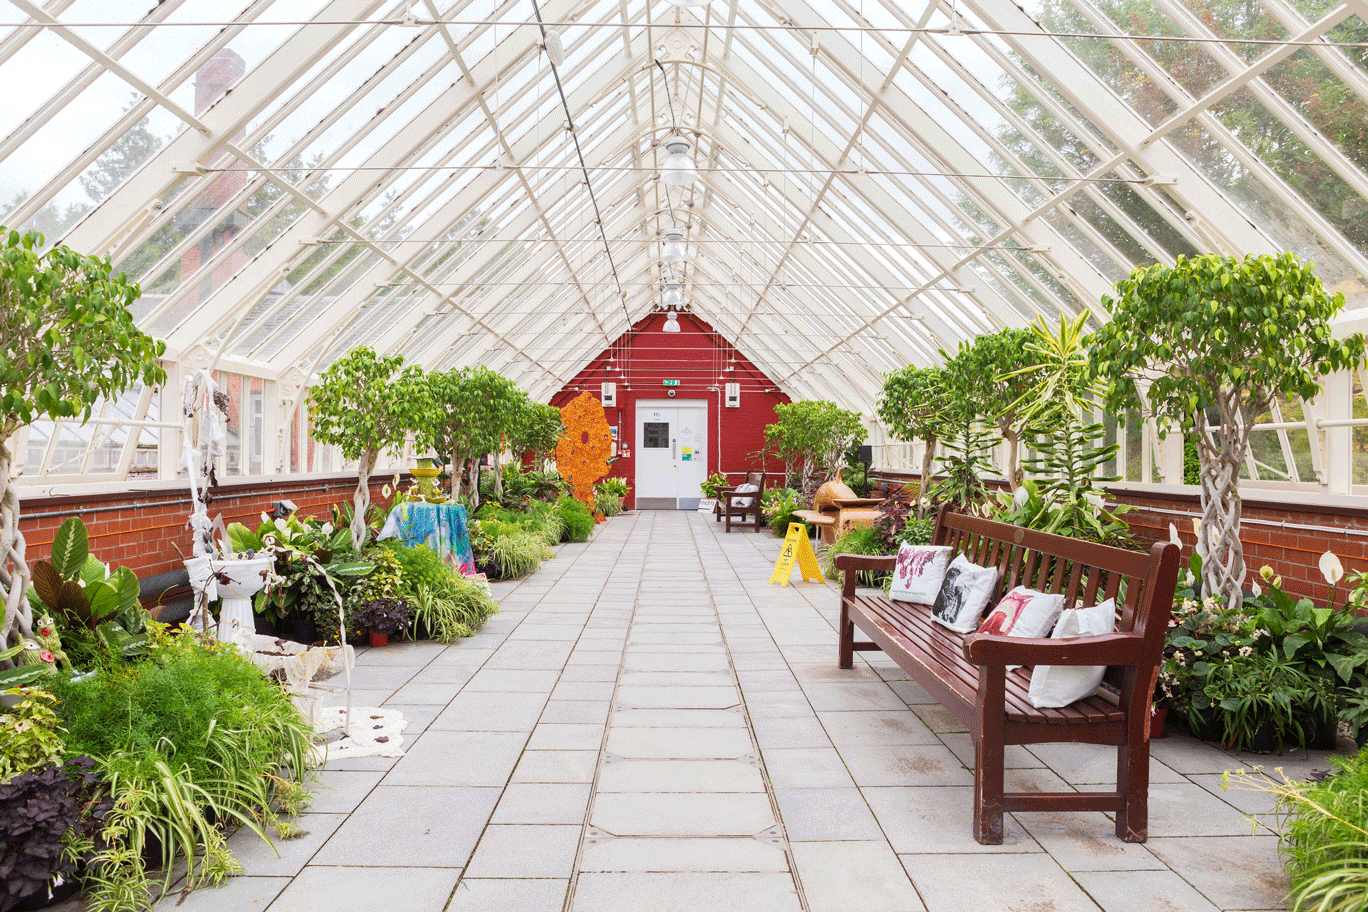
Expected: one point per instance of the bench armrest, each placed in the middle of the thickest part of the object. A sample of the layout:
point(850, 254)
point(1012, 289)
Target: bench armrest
point(877, 563)
point(1107, 649)
point(730, 495)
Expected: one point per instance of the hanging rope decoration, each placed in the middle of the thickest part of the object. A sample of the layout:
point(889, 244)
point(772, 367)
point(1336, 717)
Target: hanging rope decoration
point(583, 451)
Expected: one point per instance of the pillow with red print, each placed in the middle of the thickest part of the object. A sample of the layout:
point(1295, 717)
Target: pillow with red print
point(1023, 613)
point(919, 572)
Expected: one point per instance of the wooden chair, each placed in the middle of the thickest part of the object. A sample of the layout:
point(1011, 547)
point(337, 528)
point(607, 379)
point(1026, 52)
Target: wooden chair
point(729, 501)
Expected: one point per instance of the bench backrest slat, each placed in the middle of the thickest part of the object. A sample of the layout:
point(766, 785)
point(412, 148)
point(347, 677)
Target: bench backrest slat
point(1082, 571)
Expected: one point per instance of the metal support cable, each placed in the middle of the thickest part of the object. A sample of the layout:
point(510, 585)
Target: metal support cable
point(588, 185)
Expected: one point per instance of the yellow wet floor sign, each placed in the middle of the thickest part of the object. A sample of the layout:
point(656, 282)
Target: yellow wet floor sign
point(796, 547)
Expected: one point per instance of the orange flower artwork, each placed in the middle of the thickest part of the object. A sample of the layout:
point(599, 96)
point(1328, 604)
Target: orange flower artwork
point(583, 451)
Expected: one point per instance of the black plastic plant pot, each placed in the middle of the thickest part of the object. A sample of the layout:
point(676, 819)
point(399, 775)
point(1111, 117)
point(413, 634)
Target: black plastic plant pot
point(303, 629)
point(1322, 732)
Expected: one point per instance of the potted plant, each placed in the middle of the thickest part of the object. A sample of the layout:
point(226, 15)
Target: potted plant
point(70, 342)
point(1203, 635)
point(384, 618)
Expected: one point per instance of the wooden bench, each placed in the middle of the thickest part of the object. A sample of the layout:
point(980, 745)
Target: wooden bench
point(729, 502)
point(967, 675)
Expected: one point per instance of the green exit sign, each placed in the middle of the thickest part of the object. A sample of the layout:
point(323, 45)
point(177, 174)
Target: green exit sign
point(672, 383)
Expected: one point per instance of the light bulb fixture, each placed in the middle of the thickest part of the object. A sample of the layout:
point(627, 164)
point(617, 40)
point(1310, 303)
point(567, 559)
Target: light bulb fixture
point(678, 169)
point(555, 48)
point(671, 323)
point(672, 297)
point(673, 250)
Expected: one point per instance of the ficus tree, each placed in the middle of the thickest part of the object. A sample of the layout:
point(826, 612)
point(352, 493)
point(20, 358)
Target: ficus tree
point(816, 433)
point(536, 429)
point(912, 406)
point(475, 408)
point(366, 403)
point(69, 341)
point(1000, 359)
point(1213, 340)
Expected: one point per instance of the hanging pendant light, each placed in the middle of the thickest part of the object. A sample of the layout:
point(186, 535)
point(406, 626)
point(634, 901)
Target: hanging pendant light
point(678, 169)
point(672, 297)
point(673, 250)
point(671, 322)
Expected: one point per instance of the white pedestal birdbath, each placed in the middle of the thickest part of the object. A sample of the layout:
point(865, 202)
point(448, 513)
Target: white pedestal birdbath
point(238, 581)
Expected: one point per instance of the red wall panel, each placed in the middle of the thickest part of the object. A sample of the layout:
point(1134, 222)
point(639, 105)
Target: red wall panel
point(702, 361)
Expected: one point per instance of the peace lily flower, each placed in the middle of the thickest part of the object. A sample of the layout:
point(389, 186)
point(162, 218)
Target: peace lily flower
point(1266, 572)
point(1256, 589)
point(1196, 527)
point(1173, 535)
point(1331, 568)
point(1019, 498)
point(328, 528)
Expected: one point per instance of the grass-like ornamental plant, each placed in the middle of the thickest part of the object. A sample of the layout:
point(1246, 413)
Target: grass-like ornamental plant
point(579, 522)
point(607, 503)
point(1324, 834)
point(446, 603)
point(192, 733)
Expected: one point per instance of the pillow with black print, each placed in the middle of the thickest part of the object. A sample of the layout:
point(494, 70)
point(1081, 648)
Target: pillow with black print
point(964, 593)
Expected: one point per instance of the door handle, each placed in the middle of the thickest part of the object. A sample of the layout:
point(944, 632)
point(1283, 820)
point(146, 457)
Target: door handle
point(672, 448)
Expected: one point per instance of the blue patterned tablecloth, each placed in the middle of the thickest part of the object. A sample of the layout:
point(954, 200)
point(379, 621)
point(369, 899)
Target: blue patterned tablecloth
point(442, 527)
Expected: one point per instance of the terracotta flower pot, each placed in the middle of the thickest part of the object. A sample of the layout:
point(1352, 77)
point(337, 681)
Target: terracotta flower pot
point(1158, 721)
point(378, 639)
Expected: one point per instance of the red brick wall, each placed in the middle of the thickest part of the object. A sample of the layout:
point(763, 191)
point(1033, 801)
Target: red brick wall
point(146, 531)
point(697, 357)
point(1289, 547)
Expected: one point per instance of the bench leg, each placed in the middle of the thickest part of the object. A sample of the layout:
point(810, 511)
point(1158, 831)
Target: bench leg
point(989, 754)
point(1132, 781)
point(846, 638)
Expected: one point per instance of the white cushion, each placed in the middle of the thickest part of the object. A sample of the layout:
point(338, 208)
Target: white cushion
point(963, 594)
point(919, 572)
point(744, 489)
point(1023, 613)
point(1060, 685)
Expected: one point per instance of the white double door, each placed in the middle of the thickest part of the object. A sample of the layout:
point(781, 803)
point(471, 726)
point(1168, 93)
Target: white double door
point(672, 453)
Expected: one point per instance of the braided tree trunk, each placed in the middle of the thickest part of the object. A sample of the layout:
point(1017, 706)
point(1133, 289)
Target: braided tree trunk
point(1218, 539)
point(361, 499)
point(14, 573)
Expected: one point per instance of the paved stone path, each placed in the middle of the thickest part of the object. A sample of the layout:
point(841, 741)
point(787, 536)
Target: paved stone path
point(649, 726)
